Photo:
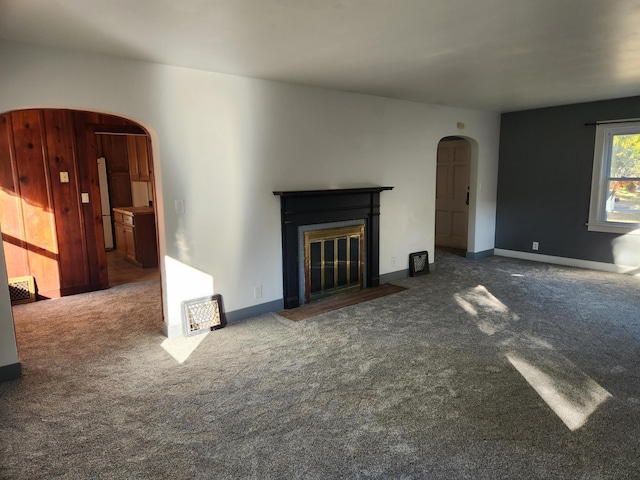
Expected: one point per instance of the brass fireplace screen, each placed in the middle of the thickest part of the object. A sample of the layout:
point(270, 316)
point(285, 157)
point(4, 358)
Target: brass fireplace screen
point(333, 261)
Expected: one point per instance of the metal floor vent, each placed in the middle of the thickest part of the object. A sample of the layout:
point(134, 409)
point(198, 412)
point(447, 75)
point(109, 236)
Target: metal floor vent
point(202, 315)
point(418, 263)
point(22, 290)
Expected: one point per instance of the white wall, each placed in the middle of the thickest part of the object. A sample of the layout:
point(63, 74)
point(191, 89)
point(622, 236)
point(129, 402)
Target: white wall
point(8, 351)
point(223, 143)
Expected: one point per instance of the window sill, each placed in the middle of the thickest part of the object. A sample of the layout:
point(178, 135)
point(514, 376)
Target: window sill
point(626, 229)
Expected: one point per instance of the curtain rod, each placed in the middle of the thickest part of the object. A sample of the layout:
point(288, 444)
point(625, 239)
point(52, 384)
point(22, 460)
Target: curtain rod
point(603, 122)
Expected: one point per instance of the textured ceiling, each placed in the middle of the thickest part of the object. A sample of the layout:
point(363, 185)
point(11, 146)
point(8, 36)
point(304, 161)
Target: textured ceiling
point(499, 55)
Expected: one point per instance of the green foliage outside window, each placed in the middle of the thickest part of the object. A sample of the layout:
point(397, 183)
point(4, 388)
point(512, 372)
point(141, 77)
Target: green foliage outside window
point(625, 156)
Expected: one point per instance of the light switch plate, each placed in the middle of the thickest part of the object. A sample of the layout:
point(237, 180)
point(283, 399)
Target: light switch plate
point(85, 198)
point(64, 177)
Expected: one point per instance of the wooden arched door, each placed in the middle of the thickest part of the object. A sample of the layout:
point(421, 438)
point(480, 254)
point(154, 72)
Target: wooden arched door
point(452, 193)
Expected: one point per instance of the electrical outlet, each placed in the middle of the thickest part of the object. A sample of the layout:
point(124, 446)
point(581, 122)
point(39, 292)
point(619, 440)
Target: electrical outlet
point(179, 204)
point(535, 246)
point(257, 291)
point(393, 261)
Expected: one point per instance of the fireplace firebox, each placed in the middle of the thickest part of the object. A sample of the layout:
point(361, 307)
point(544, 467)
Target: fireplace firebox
point(333, 261)
point(310, 207)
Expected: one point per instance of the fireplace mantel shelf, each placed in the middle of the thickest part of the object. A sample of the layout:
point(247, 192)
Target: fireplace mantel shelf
point(334, 191)
point(310, 207)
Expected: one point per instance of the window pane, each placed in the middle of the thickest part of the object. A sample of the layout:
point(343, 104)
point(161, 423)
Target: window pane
point(625, 156)
point(328, 264)
point(342, 262)
point(354, 261)
point(623, 201)
point(316, 267)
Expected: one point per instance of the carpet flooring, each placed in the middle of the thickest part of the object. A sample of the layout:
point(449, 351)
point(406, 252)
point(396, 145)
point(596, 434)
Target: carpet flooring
point(489, 369)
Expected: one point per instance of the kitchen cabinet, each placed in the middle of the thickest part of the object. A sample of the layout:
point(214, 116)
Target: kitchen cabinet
point(138, 151)
point(136, 235)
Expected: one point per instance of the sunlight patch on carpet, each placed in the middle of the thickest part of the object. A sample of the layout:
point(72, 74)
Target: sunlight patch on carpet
point(181, 348)
point(571, 394)
point(492, 316)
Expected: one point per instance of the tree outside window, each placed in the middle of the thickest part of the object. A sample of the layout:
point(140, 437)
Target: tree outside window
point(615, 188)
point(623, 201)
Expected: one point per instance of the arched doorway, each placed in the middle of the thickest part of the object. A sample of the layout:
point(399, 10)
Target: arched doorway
point(453, 194)
point(51, 208)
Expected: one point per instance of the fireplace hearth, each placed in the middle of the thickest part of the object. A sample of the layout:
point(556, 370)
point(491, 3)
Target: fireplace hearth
point(310, 207)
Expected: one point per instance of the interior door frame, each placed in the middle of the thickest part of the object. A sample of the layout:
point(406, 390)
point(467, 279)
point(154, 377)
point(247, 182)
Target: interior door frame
point(472, 174)
point(101, 128)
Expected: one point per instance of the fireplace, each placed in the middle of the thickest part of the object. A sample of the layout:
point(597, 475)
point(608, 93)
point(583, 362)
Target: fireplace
point(317, 207)
point(333, 261)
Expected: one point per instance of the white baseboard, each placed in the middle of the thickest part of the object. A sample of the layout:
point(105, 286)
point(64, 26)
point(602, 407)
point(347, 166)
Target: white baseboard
point(569, 262)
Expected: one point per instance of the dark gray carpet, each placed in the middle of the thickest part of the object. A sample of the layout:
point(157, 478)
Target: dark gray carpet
point(443, 380)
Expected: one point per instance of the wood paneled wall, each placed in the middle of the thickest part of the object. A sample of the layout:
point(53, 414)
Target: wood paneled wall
point(47, 231)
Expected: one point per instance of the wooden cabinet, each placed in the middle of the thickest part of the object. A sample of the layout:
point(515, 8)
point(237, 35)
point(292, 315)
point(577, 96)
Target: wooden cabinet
point(138, 158)
point(121, 240)
point(114, 149)
point(136, 235)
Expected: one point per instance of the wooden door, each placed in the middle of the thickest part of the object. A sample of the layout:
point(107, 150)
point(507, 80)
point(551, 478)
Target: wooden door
point(138, 158)
point(452, 193)
point(120, 190)
point(114, 149)
point(143, 158)
point(134, 170)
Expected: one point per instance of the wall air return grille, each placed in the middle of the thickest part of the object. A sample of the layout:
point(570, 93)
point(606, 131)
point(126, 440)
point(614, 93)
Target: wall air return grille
point(418, 263)
point(202, 315)
point(22, 290)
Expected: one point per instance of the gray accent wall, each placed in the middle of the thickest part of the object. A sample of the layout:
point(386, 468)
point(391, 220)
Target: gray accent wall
point(544, 182)
point(254, 311)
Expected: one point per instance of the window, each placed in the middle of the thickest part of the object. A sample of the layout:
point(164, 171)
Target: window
point(615, 189)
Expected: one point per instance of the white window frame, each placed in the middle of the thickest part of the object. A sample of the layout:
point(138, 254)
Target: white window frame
point(599, 184)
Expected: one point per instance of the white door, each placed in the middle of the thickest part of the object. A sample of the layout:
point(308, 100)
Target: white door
point(452, 193)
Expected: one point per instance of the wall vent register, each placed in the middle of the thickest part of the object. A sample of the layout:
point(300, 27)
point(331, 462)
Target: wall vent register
point(202, 315)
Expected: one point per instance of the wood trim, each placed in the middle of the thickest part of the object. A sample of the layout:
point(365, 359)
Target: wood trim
point(336, 191)
point(339, 301)
point(115, 129)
